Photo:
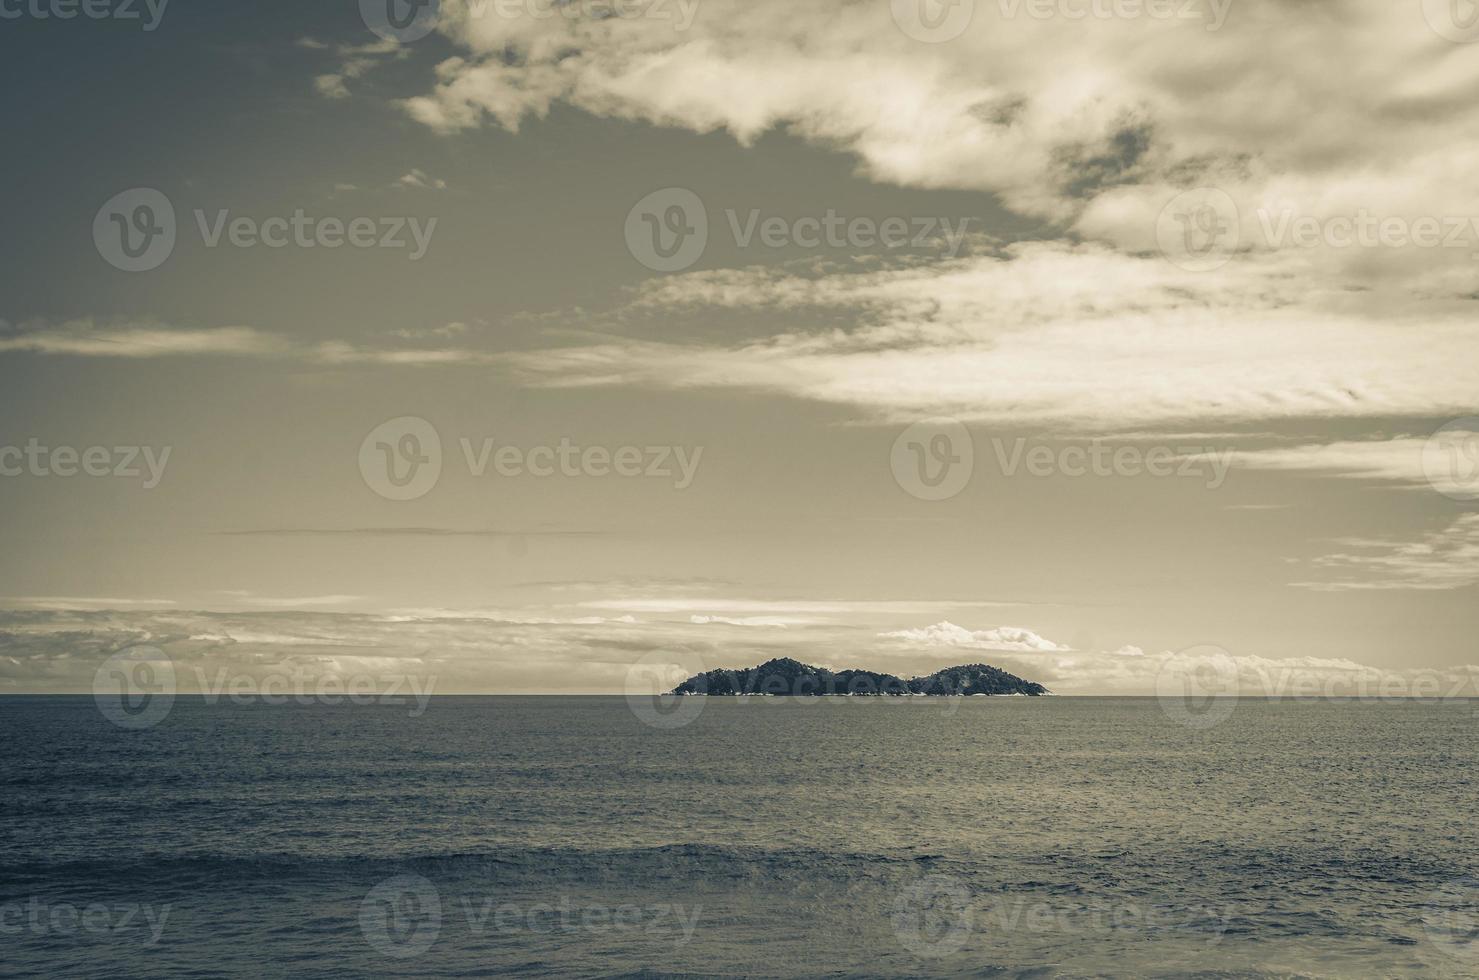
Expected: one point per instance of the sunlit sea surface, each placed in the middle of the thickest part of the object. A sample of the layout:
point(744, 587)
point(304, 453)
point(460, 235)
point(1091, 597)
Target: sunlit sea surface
point(997, 837)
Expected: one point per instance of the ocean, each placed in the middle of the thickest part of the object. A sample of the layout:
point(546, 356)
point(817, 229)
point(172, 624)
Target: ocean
point(766, 837)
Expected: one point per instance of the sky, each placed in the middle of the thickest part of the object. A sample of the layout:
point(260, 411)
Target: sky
point(535, 349)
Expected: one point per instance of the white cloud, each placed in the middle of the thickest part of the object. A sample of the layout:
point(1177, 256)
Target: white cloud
point(775, 621)
point(711, 606)
point(1092, 123)
point(947, 634)
point(462, 651)
point(84, 338)
point(1446, 460)
point(1440, 560)
point(331, 86)
point(420, 178)
point(1053, 334)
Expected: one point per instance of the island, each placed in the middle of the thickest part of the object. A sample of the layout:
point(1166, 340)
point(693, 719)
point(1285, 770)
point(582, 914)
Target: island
point(785, 677)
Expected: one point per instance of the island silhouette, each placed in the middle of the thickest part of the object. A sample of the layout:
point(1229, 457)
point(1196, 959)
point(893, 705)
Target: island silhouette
point(784, 677)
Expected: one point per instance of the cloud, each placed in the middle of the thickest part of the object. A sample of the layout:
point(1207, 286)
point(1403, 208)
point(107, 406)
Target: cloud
point(88, 338)
point(84, 338)
point(68, 603)
point(1088, 127)
point(1440, 560)
point(710, 606)
point(491, 651)
point(445, 331)
point(947, 634)
point(776, 621)
point(1051, 334)
point(356, 61)
point(297, 602)
point(1446, 460)
point(419, 178)
point(413, 532)
point(1086, 123)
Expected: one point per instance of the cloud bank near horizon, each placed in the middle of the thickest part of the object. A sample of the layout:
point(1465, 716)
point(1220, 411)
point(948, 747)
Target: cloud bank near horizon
point(59, 649)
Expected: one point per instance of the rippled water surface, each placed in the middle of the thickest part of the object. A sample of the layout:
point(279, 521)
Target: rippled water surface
point(768, 837)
